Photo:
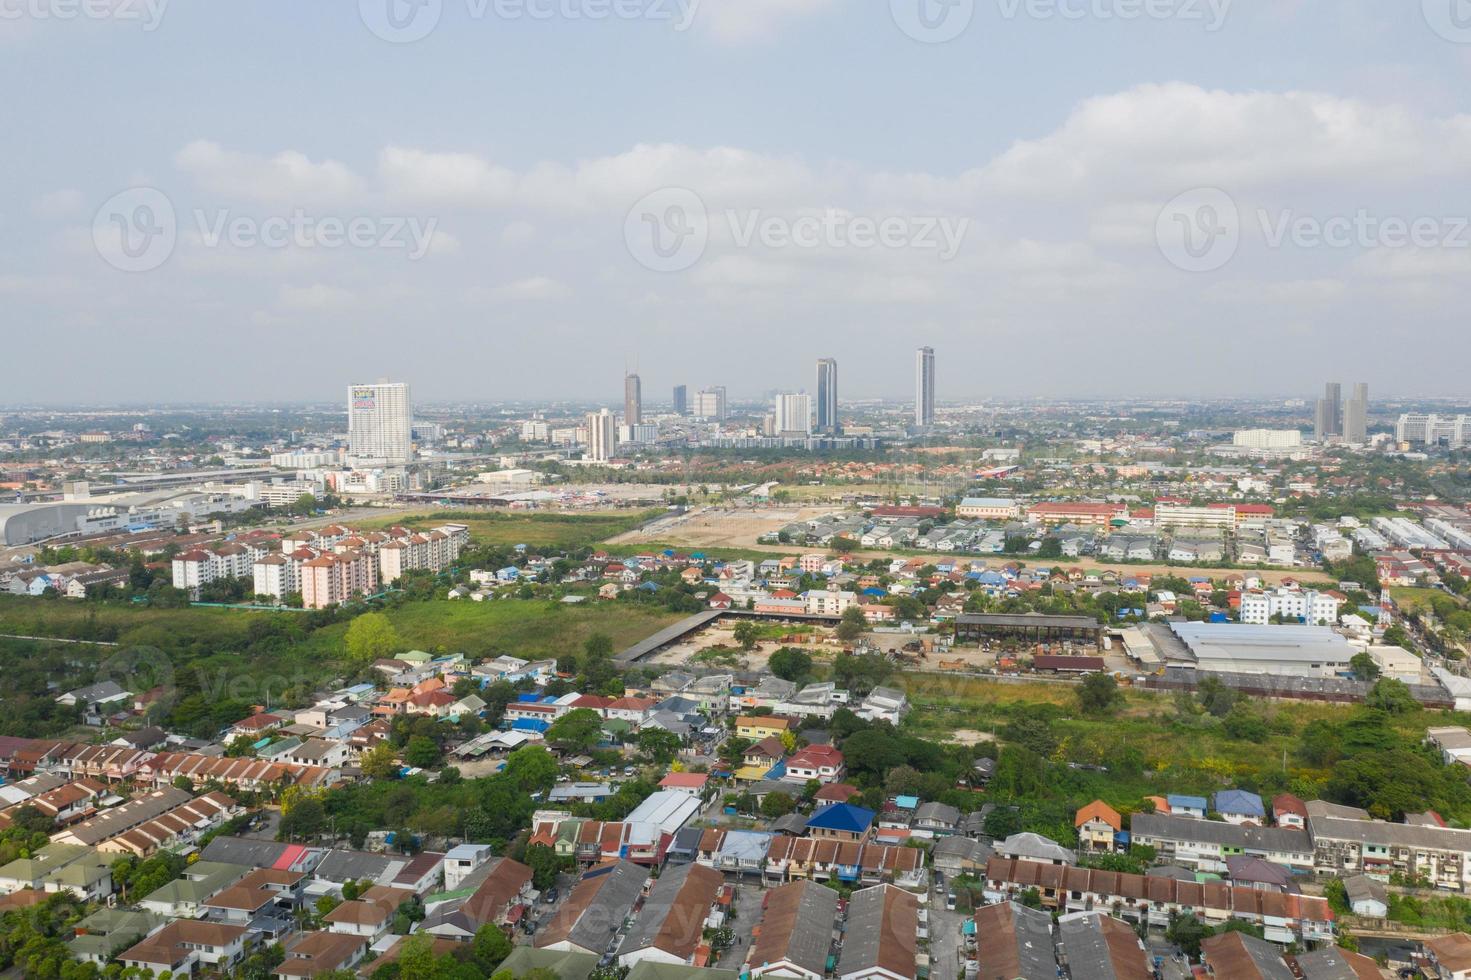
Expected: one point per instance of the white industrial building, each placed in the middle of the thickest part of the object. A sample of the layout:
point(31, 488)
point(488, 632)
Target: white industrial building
point(1235, 648)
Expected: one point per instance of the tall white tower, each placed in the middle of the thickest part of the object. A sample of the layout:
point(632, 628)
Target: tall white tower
point(380, 423)
point(924, 387)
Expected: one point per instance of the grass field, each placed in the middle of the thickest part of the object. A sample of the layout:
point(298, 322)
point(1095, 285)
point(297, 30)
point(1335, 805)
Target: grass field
point(558, 531)
point(521, 628)
point(524, 629)
point(1179, 756)
point(1414, 600)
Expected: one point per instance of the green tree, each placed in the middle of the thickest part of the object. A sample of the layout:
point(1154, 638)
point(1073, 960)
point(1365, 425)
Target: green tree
point(371, 636)
point(852, 625)
point(658, 746)
point(531, 769)
point(747, 633)
point(379, 762)
point(1364, 667)
point(1099, 694)
point(579, 729)
point(544, 864)
point(489, 948)
point(790, 664)
point(775, 805)
point(421, 752)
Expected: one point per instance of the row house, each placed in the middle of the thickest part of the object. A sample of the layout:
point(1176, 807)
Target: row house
point(1348, 843)
point(245, 774)
point(802, 858)
point(110, 763)
point(1204, 845)
point(641, 843)
point(65, 804)
point(1285, 918)
point(177, 828)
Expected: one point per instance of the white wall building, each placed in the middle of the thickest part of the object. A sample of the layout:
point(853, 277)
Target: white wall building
point(380, 423)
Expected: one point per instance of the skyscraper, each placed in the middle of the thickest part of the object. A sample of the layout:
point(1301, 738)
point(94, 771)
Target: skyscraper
point(1329, 421)
point(681, 399)
point(633, 400)
point(827, 395)
point(710, 403)
point(1356, 416)
point(794, 415)
point(602, 435)
point(924, 387)
point(380, 424)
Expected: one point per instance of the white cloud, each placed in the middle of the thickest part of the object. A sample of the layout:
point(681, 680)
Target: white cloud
point(289, 177)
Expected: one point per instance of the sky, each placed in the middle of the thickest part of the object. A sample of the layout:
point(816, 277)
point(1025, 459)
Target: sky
point(509, 199)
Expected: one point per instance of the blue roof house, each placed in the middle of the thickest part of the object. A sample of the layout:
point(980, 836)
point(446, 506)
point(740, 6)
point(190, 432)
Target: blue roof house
point(1187, 806)
point(841, 821)
point(1240, 806)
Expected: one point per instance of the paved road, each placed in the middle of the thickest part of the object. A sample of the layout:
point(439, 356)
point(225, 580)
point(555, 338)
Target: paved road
point(946, 941)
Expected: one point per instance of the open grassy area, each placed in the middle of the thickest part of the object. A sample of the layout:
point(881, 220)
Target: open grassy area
point(535, 530)
point(1414, 600)
point(529, 629)
point(1178, 754)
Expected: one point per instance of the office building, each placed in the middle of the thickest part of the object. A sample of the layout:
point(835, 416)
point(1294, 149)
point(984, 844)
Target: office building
point(710, 403)
point(1329, 420)
point(633, 400)
point(793, 415)
point(380, 423)
point(681, 400)
point(1356, 416)
point(602, 435)
point(827, 396)
point(1451, 431)
point(924, 387)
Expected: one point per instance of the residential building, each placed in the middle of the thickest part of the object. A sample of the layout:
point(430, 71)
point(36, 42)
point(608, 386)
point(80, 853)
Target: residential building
point(671, 923)
point(797, 932)
point(1098, 826)
point(881, 935)
point(380, 423)
point(602, 436)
